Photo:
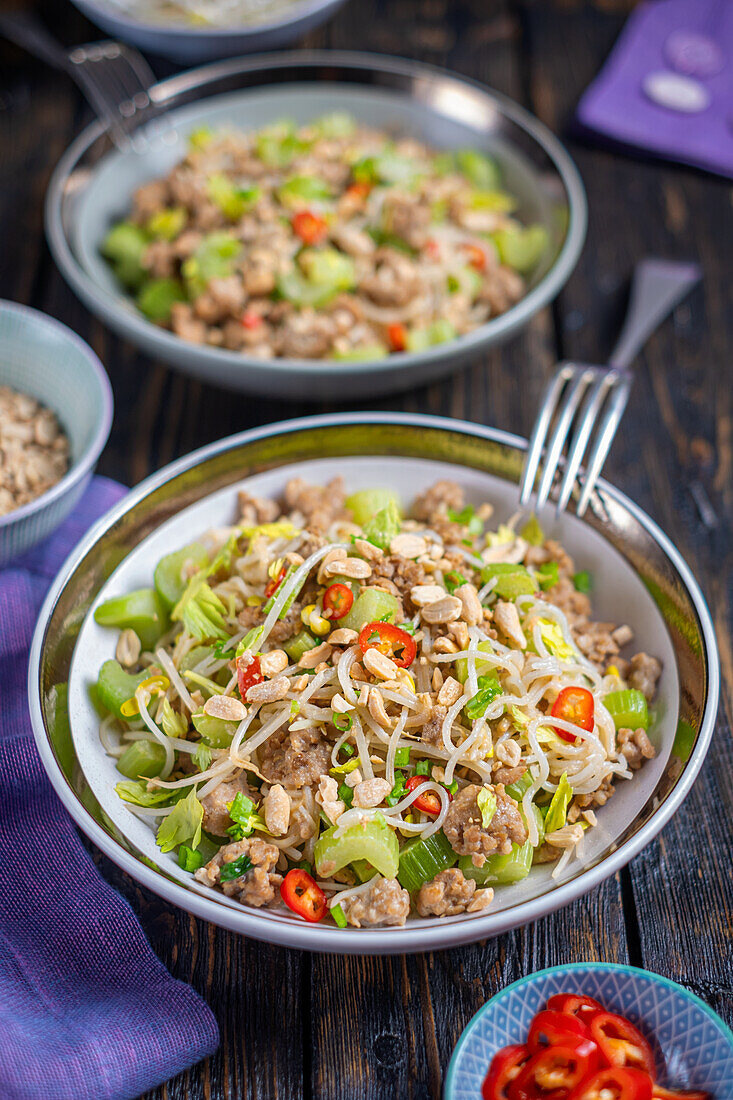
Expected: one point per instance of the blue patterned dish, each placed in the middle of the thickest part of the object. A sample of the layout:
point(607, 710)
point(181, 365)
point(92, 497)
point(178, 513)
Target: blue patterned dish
point(45, 359)
point(693, 1047)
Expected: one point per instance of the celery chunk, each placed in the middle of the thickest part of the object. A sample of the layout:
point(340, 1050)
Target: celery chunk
point(422, 860)
point(141, 611)
point(372, 839)
point(142, 758)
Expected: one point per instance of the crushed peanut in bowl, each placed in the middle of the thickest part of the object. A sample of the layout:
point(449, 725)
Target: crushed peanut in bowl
point(34, 450)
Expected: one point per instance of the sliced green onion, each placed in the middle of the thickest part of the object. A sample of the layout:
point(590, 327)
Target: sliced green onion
point(189, 859)
point(532, 532)
point(548, 574)
point(582, 581)
point(346, 794)
point(235, 869)
point(338, 915)
point(342, 722)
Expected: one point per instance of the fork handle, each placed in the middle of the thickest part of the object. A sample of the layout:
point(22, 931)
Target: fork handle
point(657, 287)
point(26, 31)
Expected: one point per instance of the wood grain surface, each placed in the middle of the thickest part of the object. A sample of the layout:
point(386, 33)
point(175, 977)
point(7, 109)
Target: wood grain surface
point(298, 1026)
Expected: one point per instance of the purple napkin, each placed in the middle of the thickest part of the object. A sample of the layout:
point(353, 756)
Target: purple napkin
point(668, 84)
point(87, 1010)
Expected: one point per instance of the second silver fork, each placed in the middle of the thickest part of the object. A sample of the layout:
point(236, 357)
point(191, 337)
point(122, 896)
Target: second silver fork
point(599, 392)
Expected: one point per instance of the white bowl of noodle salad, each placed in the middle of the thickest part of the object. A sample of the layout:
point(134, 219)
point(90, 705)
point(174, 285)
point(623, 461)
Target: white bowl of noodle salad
point(360, 704)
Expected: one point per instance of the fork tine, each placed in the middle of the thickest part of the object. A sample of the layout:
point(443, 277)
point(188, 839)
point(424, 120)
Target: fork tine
point(586, 422)
point(539, 432)
point(570, 401)
point(606, 431)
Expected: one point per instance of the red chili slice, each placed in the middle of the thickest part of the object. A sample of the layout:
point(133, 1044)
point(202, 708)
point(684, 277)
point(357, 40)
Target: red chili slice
point(397, 336)
point(309, 227)
point(576, 705)
point(476, 256)
point(559, 1029)
point(575, 1005)
point(337, 601)
point(432, 249)
point(250, 319)
point(272, 585)
point(428, 803)
point(248, 674)
point(390, 640)
point(622, 1044)
point(303, 895)
point(617, 1081)
point(505, 1066)
point(551, 1072)
point(358, 190)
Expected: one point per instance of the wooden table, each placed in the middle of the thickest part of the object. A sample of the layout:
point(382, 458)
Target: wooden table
point(296, 1026)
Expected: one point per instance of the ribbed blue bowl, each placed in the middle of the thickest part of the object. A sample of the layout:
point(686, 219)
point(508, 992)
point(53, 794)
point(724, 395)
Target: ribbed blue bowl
point(45, 359)
point(692, 1045)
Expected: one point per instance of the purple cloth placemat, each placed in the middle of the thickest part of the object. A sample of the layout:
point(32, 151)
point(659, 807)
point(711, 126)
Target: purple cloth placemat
point(87, 1010)
point(671, 54)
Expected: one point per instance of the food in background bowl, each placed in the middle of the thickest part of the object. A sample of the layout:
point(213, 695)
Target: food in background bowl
point(34, 450)
point(414, 709)
point(327, 241)
point(203, 13)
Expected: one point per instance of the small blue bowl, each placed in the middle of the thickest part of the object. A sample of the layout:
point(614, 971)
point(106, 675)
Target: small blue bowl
point(46, 360)
point(692, 1045)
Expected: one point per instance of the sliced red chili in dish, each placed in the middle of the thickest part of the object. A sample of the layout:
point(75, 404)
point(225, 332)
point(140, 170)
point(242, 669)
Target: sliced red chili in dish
point(274, 583)
point(358, 190)
point(303, 895)
point(249, 673)
point(250, 319)
point(551, 1072)
point(309, 227)
point(337, 601)
point(429, 802)
point(549, 1028)
point(397, 336)
point(391, 640)
point(614, 1081)
point(622, 1044)
point(505, 1067)
point(575, 1005)
point(576, 705)
point(476, 256)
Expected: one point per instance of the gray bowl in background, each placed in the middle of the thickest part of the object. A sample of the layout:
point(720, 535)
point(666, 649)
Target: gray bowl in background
point(46, 360)
point(194, 45)
point(93, 186)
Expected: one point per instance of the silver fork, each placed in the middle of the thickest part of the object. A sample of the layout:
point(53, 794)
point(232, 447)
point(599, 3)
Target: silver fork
point(657, 287)
point(114, 78)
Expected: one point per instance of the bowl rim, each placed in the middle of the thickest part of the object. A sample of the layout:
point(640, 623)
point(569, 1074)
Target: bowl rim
point(94, 448)
point(137, 328)
point(637, 972)
point(385, 940)
point(207, 34)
